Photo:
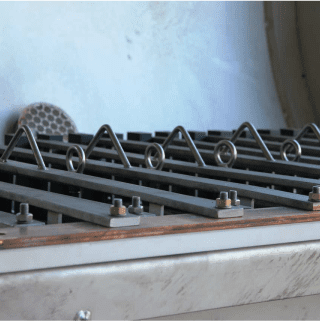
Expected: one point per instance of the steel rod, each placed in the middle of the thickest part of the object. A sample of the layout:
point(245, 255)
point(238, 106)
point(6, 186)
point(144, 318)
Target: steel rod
point(209, 171)
point(244, 161)
point(261, 193)
point(256, 136)
point(189, 141)
point(115, 141)
point(90, 211)
point(182, 202)
point(36, 152)
point(181, 153)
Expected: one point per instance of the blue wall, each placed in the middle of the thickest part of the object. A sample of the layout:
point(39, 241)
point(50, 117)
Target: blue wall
point(138, 65)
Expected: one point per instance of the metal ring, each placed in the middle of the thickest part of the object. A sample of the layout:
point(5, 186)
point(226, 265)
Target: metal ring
point(82, 159)
point(160, 155)
point(32, 142)
point(217, 153)
point(284, 147)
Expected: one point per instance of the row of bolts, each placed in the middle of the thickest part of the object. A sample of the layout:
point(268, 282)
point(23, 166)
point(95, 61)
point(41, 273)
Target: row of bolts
point(118, 209)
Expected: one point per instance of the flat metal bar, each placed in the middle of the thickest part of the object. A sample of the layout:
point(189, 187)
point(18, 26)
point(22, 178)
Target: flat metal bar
point(209, 171)
point(190, 204)
point(10, 220)
point(243, 161)
point(90, 211)
point(182, 202)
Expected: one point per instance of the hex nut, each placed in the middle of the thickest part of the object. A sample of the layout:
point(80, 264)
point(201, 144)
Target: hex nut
point(118, 211)
point(135, 209)
point(314, 197)
point(234, 199)
point(24, 218)
point(223, 203)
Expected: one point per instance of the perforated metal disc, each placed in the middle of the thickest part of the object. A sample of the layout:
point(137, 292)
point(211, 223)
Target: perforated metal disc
point(45, 118)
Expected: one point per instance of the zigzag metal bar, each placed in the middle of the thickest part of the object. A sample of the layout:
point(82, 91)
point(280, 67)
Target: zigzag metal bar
point(161, 149)
point(33, 144)
point(294, 142)
point(234, 138)
point(83, 156)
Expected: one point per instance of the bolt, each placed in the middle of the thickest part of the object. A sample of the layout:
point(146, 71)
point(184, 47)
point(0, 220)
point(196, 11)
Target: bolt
point(234, 200)
point(223, 195)
point(135, 201)
point(314, 196)
point(117, 209)
point(117, 202)
point(24, 208)
point(316, 189)
point(136, 207)
point(223, 202)
point(83, 315)
point(24, 216)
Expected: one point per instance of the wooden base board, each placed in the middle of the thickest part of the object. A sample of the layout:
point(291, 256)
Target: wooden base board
point(53, 234)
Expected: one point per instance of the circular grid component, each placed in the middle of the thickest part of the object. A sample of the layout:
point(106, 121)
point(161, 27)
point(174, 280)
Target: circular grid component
point(45, 118)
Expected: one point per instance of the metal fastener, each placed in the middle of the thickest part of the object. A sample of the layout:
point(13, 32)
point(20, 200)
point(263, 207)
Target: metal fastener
point(314, 196)
point(224, 201)
point(83, 315)
point(136, 207)
point(234, 198)
point(117, 209)
point(24, 217)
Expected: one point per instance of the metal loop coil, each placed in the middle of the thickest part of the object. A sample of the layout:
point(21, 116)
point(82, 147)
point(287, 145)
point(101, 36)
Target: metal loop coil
point(288, 144)
point(84, 155)
point(285, 147)
point(160, 155)
point(82, 159)
point(33, 144)
point(218, 150)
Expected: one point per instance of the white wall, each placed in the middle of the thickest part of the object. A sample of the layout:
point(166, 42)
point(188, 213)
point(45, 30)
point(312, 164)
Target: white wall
point(138, 66)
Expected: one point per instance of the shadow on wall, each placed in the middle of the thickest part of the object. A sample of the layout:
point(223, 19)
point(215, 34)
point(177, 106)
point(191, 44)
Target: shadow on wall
point(10, 101)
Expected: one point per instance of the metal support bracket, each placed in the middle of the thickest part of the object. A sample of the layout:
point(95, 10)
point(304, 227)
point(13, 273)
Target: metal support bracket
point(54, 218)
point(234, 211)
point(156, 209)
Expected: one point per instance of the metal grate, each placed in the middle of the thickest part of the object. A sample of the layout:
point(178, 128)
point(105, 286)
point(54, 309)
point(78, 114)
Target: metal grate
point(170, 175)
